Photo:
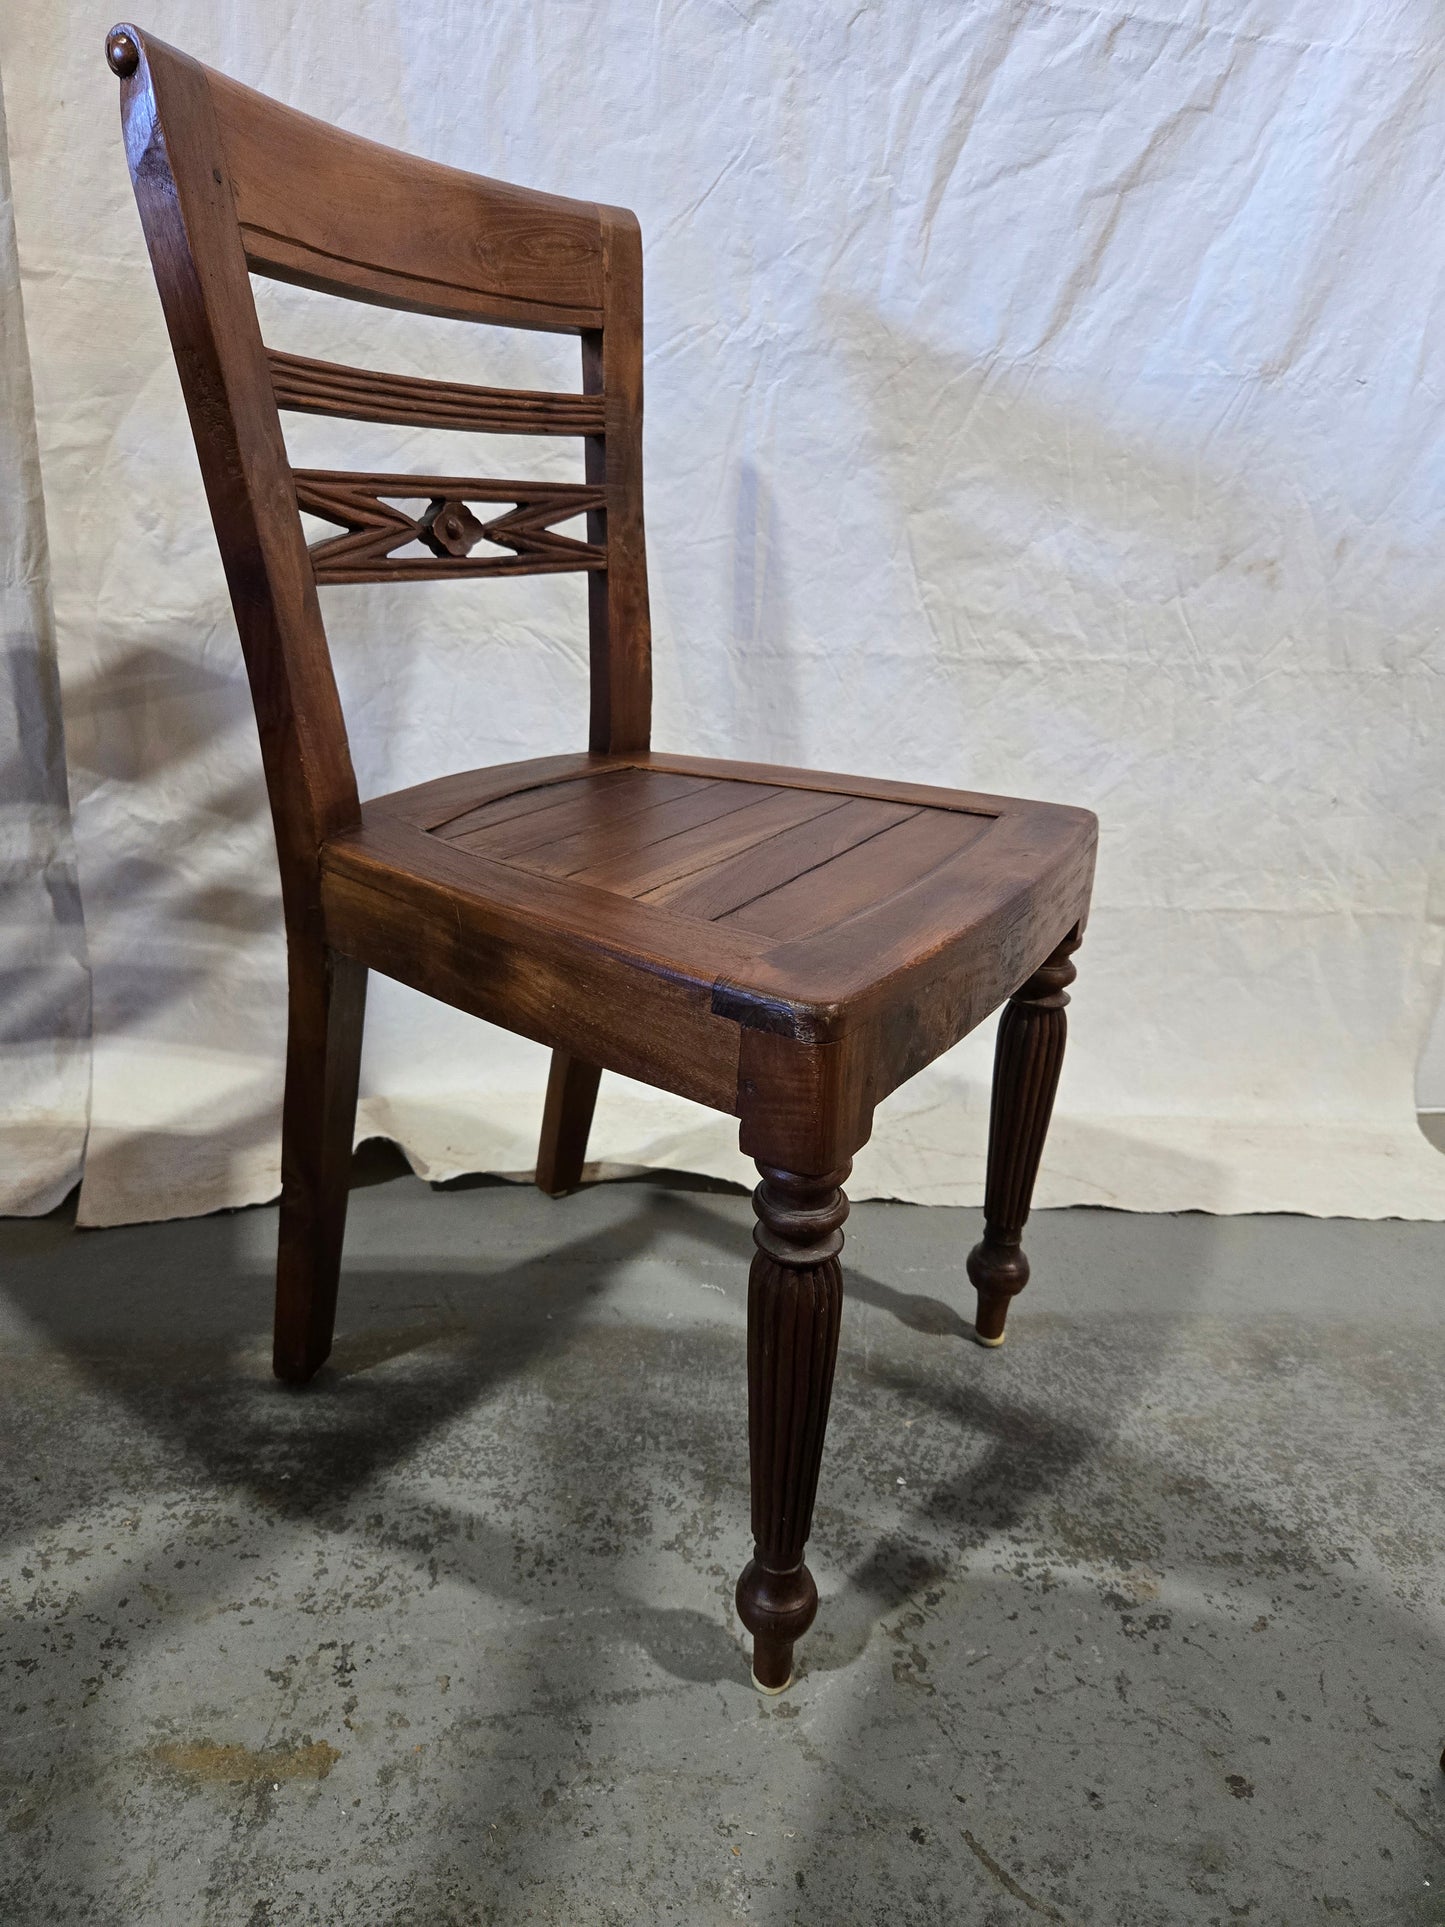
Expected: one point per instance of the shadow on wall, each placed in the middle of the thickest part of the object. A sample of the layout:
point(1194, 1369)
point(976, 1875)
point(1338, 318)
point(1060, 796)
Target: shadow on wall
point(179, 881)
point(44, 965)
point(767, 700)
point(995, 480)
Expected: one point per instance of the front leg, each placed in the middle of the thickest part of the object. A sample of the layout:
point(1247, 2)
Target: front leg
point(1027, 1060)
point(795, 1301)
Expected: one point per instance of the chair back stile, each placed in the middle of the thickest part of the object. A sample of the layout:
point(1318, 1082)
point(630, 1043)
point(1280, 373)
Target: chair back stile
point(228, 183)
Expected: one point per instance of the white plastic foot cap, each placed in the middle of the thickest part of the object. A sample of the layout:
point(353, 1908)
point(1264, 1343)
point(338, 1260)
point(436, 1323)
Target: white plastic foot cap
point(992, 1343)
point(773, 1691)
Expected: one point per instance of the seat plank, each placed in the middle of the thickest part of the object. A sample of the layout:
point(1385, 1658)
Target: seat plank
point(605, 802)
point(506, 809)
point(861, 878)
point(601, 841)
point(442, 799)
point(766, 866)
point(683, 852)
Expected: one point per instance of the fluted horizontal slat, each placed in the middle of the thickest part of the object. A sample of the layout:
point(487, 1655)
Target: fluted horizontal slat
point(363, 394)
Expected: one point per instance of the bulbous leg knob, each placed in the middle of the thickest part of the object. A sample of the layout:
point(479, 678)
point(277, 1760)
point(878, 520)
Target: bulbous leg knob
point(777, 1608)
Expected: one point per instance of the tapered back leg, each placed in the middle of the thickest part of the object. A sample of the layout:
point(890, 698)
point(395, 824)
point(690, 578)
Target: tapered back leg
point(566, 1121)
point(323, 1062)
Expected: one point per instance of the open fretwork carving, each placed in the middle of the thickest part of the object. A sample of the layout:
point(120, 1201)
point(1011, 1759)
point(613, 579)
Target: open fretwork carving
point(366, 508)
point(358, 394)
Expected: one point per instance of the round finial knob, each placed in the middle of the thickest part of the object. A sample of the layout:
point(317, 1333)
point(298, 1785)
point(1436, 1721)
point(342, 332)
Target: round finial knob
point(122, 52)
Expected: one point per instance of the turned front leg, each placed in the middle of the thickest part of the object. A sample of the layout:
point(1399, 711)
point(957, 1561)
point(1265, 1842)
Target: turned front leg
point(1027, 1059)
point(795, 1301)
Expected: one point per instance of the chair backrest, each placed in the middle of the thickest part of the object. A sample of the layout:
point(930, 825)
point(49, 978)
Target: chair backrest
point(230, 182)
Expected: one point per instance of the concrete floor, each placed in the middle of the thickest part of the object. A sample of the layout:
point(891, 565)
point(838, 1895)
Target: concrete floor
point(1136, 1621)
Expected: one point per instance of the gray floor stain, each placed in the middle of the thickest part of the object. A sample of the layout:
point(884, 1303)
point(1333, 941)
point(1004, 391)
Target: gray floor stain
point(1136, 1621)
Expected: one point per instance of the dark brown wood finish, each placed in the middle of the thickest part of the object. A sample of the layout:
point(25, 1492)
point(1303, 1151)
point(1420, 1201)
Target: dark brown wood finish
point(1028, 1057)
point(323, 1061)
point(566, 1121)
point(364, 506)
point(357, 394)
point(795, 1307)
point(785, 945)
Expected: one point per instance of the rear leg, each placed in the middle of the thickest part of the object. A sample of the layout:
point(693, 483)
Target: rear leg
point(566, 1120)
point(323, 1061)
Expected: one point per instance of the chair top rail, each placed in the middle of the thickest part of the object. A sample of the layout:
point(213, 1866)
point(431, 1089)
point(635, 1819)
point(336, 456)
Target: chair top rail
point(331, 210)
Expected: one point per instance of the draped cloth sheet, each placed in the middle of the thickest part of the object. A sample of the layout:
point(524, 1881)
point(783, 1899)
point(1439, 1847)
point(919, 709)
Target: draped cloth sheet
point(1041, 398)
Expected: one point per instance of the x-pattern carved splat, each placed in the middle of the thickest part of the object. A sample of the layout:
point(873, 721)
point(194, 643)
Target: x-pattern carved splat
point(365, 507)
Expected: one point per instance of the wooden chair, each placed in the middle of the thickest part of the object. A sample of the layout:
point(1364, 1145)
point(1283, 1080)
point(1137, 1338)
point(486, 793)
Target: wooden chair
point(785, 946)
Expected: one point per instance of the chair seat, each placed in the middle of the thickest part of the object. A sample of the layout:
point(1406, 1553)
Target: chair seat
point(693, 896)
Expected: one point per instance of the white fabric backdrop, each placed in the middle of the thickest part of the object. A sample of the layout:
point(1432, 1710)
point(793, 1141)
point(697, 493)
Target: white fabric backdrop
point(1041, 398)
point(44, 989)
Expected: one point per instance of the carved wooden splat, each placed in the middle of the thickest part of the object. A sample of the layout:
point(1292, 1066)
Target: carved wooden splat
point(366, 508)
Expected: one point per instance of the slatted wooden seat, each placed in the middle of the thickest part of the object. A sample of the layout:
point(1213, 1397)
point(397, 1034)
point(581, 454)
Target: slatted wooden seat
point(787, 946)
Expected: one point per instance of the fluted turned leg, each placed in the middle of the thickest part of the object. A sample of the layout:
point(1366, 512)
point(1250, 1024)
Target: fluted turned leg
point(795, 1300)
point(1027, 1060)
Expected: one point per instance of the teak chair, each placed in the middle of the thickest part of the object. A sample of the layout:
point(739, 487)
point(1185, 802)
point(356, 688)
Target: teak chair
point(785, 946)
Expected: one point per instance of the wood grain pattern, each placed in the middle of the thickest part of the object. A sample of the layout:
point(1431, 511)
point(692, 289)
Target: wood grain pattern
point(619, 623)
point(836, 826)
point(756, 816)
point(858, 879)
point(333, 211)
point(561, 991)
point(440, 799)
point(558, 917)
point(952, 920)
point(456, 804)
point(566, 1121)
point(327, 1005)
point(309, 387)
point(608, 803)
point(601, 847)
point(787, 945)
